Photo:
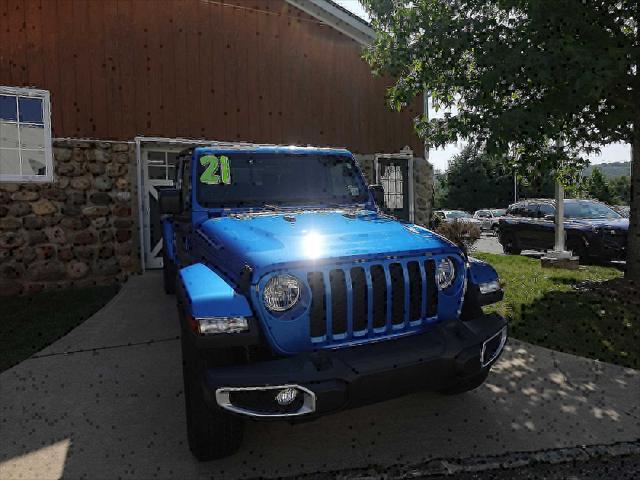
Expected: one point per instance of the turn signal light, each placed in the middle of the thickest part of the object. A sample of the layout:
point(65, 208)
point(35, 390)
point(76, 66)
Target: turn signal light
point(489, 287)
point(217, 325)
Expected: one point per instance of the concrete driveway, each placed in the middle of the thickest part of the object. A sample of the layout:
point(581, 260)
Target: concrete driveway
point(106, 401)
point(488, 243)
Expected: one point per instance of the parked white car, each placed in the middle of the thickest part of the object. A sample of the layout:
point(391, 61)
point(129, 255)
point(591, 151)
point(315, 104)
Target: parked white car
point(459, 215)
point(489, 218)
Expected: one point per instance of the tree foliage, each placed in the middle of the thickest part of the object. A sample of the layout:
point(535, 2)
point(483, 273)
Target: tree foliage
point(520, 74)
point(621, 189)
point(597, 187)
point(476, 180)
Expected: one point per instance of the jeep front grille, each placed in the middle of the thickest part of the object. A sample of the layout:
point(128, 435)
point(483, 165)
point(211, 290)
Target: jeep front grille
point(370, 300)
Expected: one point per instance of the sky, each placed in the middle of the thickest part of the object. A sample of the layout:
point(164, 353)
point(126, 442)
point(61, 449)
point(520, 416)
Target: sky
point(354, 6)
point(616, 152)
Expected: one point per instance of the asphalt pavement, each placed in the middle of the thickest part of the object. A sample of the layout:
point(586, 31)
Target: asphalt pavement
point(106, 401)
point(488, 243)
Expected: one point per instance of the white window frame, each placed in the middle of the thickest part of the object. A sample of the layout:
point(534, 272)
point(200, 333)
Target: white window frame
point(43, 95)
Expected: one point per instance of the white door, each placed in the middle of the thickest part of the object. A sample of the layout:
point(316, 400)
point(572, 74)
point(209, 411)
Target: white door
point(395, 173)
point(159, 170)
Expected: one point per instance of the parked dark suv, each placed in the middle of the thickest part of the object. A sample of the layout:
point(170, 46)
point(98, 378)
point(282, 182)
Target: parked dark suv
point(593, 230)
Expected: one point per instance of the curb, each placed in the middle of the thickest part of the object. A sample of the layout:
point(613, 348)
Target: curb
point(453, 466)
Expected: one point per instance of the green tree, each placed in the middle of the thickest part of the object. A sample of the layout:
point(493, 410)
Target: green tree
point(439, 190)
point(598, 188)
point(621, 189)
point(476, 180)
point(520, 74)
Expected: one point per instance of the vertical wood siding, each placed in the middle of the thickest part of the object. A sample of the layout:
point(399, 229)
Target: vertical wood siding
point(265, 72)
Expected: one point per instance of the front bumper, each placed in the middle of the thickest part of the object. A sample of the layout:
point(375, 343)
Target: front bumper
point(331, 380)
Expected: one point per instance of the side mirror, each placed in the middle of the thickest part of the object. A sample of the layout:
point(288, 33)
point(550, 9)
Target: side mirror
point(378, 195)
point(169, 201)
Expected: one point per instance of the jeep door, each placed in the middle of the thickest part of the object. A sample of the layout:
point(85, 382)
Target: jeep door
point(182, 222)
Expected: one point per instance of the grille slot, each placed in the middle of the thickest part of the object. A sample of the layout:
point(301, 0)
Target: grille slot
point(338, 301)
point(432, 288)
point(369, 300)
point(379, 284)
point(397, 293)
point(415, 291)
point(318, 311)
point(360, 298)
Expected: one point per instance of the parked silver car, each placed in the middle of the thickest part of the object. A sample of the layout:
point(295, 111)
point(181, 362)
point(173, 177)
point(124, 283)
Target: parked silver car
point(489, 218)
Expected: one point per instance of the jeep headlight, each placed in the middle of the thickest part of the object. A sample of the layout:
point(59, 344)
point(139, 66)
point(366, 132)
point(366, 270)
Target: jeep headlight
point(281, 293)
point(445, 273)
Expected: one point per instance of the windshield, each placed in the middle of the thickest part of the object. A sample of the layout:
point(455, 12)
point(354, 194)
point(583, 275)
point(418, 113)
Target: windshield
point(586, 209)
point(458, 214)
point(259, 179)
point(499, 213)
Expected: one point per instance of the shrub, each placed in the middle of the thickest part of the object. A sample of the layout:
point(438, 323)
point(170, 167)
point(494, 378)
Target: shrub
point(463, 234)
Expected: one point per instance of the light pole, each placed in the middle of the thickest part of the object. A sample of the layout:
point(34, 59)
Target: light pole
point(559, 220)
point(559, 257)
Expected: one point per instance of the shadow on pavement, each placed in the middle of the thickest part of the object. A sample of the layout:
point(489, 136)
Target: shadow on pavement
point(118, 412)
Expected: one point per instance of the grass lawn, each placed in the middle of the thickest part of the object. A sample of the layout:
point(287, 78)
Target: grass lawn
point(569, 310)
point(28, 324)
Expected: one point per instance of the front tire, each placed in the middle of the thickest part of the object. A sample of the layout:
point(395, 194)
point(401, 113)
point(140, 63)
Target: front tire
point(467, 384)
point(580, 249)
point(212, 432)
point(510, 245)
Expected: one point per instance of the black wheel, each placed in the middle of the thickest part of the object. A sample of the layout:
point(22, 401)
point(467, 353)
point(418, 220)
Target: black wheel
point(466, 385)
point(212, 433)
point(169, 273)
point(510, 245)
point(579, 248)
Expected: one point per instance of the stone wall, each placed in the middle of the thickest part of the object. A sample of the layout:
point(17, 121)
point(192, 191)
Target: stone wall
point(422, 191)
point(81, 229)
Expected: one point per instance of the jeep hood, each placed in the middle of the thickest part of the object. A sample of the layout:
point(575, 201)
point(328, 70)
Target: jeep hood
point(268, 241)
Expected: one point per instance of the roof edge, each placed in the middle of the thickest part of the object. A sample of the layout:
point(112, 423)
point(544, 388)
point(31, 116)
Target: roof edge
point(337, 17)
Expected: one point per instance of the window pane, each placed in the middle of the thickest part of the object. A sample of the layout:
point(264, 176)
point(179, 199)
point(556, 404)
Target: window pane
point(8, 135)
point(9, 162)
point(33, 162)
point(8, 107)
point(546, 209)
point(157, 172)
point(32, 136)
point(172, 158)
point(156, 157)
point(30, 109)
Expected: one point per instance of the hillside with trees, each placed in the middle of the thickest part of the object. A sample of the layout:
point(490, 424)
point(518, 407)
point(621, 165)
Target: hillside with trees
point(610, 170)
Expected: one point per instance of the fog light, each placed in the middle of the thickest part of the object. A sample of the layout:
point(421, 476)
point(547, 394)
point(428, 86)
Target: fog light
point(215, 325)
point(489, 287)
point(286, 396)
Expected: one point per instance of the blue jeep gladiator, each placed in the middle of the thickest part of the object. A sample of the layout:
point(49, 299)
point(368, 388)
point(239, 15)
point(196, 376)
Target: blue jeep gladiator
point(297, 296)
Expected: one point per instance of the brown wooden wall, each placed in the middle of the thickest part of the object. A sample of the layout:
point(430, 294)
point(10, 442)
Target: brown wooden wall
point(265, 72)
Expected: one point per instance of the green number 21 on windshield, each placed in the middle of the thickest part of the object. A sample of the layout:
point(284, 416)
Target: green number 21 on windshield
point(218, 170)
